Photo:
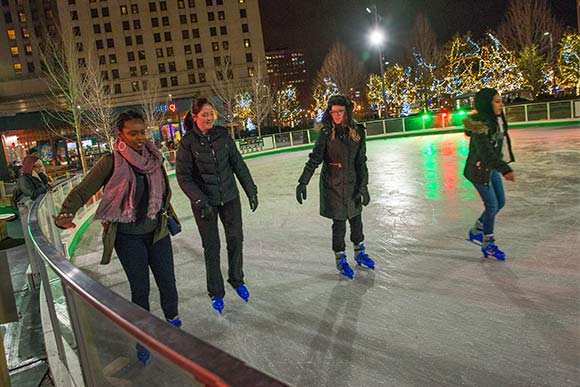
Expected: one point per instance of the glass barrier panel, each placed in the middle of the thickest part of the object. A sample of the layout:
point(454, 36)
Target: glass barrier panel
point(282, 140)
point(314, 134)
point(394, 126)
point(299, 138)
point(268, 142)
point(537, 112)
point(374, 128)
point(515, 113)
point(560, 110)
point(61, 307)
point(415, 123)
point(111, 355)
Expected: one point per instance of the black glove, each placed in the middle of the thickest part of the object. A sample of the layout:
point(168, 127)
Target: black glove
point(205, 210)
point(301, 192)
point(253, 202)
point(366, 198)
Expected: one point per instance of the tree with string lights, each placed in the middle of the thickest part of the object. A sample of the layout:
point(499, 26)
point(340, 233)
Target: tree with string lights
point(568, 62)
point(286, 108)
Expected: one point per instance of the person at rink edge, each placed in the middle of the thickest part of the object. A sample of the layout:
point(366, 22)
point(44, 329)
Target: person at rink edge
point(133, 210)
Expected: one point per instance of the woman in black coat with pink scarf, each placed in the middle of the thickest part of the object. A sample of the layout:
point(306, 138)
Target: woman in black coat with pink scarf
point(135, 199)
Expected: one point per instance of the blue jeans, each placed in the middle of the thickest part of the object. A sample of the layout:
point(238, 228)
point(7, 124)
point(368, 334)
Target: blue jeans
point(138, 254)
point(493, 197)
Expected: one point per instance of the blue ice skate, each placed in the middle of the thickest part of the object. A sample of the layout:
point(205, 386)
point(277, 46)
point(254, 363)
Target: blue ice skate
point(218, 304)
point(490, 249)
point(476, 236)
point(143, 355)
point(344, 268)
point(362, 258)
point(243, 292)
point(176, 322)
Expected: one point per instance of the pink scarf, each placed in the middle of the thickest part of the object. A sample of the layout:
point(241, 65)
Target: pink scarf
point(118, 203)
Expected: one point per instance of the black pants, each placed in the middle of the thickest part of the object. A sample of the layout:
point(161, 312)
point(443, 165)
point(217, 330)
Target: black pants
point(231, 217)
point(137, 254)
point(339, 232)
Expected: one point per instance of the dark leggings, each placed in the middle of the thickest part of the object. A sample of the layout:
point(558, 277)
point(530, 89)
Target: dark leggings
point(137, 254)
point(339, 232)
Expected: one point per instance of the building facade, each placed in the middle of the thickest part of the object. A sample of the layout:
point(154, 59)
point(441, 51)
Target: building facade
point(287, 67)
point(175, 47)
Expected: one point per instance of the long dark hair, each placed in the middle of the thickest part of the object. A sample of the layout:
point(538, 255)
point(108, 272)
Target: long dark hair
point(483, 100)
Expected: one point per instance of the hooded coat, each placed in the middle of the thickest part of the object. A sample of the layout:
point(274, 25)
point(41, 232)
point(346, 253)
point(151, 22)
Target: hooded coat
point(485, 150)
point(344, 172)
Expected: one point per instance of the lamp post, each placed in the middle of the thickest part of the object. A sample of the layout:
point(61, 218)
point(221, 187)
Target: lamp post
point(549, 34)
point(376, 38)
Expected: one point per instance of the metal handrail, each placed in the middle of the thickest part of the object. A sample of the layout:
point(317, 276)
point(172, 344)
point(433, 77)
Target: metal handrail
point(203, 361)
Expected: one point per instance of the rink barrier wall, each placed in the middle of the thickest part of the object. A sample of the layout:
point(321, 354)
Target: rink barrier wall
point(94, 331)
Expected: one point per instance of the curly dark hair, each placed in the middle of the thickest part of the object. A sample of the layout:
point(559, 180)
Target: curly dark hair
point(128, 115)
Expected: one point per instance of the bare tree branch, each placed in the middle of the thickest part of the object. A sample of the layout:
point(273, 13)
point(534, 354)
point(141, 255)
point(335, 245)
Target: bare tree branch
point(344, 69)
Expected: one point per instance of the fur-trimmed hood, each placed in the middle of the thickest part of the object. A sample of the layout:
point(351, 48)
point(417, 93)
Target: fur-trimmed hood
point(474, 124)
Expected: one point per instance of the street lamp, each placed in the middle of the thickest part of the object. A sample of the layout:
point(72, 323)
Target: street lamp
point(549, 34)
point(377, 37)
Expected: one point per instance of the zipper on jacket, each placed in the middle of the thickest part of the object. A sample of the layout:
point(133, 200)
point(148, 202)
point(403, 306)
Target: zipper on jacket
point(216, 169)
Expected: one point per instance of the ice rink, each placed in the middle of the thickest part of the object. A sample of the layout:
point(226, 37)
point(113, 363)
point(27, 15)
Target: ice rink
point(434, 312)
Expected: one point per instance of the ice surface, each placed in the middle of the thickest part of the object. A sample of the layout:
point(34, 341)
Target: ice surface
point(433, 312)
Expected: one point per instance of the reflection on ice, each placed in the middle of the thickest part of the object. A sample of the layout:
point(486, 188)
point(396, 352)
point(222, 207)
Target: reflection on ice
point(432, 313)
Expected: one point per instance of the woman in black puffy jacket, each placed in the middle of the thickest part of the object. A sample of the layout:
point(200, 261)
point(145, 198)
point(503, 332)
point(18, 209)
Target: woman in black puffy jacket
point(207, 161)
point(489, 156)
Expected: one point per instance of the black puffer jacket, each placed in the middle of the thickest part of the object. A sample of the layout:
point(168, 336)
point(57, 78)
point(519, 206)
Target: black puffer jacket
point(206, 165)
point(485, 149)
point(344, 171)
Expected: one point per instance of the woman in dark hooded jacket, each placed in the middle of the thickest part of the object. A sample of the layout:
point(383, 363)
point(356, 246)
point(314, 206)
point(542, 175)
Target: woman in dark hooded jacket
point(341, 150)
point(489, 156)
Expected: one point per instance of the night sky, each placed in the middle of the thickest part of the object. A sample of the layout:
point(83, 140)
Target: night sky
point(315, 24)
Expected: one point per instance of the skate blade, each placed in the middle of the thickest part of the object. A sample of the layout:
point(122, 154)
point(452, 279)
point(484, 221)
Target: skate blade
point(475, 242)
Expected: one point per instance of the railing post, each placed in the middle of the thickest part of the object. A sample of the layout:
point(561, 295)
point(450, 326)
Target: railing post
point(53, 230)
point(51, 310)
point(548, 110)
point(274, 141)
point(34, 276)
point(80, 338)
point(403, 120)
point(291, 138)
point(308, 135)
point(384, 126)
point(526, 113)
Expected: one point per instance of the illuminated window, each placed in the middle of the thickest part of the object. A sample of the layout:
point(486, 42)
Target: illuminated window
point(250, 71)
point(215, 46)
point(11, 35)
point(25, 33)
point(28, 50)
point(247, 43)
point(134, 9)
point(241, 1)
point(22, 17)
point(14, 51)
point(17, 67)
point(124, 10)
